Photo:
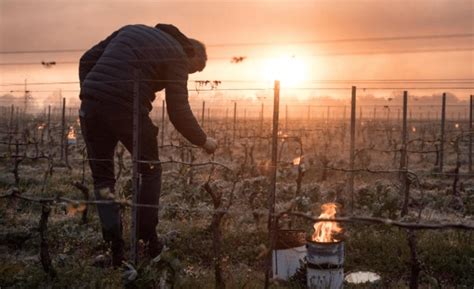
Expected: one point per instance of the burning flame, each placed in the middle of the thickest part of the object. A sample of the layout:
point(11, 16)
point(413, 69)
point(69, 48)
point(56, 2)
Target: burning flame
point(413, 129)
point(456, 125)
point(41, 126)
point(297, 161)
point(324, 231)
point(71, 135)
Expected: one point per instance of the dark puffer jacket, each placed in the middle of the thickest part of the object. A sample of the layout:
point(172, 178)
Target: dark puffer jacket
point(107, 72)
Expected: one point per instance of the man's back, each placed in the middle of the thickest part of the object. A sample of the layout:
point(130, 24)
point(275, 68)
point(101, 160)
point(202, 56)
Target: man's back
point(108, 68)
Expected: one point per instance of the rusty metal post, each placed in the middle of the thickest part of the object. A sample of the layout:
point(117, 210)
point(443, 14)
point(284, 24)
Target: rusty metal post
point(271, 199)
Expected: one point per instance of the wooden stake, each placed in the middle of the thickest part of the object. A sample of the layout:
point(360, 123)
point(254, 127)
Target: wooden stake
point(352, 147)
point(471, 132)
point(403, 158)
point(443, 124)
point(235, 122)
point(271, 199)
point(63, 129)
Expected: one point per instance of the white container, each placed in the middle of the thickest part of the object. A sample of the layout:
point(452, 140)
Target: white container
point(289, 253)
point(325, 265)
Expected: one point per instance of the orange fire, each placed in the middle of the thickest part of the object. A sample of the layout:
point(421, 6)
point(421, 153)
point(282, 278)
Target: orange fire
point(297, 161)
point(324, 232)
point(71, 135)
point(41, 126)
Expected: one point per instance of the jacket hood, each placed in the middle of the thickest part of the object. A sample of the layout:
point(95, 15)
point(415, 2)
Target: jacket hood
point(180, 37)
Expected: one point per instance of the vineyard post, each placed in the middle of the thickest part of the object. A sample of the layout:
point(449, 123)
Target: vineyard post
point(12, 113)
point(49, 130)
point(225, 119)
point(470, 132)
point(203, 113)
point(63, 129)
point(135, 156)
point(352, 148)
point(327, 115)
point(271, 200)
point(245, 119)
point(343, 134)
point(403, 158)
point(443, 123)
point(209, 118)
point(17, 120)
point(163, 108)
point(235, 121)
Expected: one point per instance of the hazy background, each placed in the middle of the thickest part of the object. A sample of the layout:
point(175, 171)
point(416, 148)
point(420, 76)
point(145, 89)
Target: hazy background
point(268, 28)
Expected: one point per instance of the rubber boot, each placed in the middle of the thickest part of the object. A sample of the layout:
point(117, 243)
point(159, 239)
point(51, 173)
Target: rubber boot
point(149, 194)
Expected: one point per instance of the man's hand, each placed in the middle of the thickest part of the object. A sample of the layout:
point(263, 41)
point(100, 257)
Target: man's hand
point(210, 145)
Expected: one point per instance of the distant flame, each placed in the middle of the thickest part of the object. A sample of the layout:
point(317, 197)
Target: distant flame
point(324, 231)
point(71, 135)
point(413, 129)
point(456, 125)
point(41, 126)
point(297, 161)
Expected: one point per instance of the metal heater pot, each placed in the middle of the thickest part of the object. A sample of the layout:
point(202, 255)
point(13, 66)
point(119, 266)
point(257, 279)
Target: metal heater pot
point(325, 265)
point(289, 251)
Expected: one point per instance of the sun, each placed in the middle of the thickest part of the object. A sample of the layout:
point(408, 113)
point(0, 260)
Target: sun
point(290, 71)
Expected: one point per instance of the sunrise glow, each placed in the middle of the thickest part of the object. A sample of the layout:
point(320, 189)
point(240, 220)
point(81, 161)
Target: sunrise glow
point(290, 70)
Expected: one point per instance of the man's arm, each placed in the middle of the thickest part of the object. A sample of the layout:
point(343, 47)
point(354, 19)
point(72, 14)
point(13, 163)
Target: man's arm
point(179, 111)
point(89, 59)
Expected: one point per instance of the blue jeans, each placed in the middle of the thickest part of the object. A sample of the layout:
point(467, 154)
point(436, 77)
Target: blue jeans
point(103, 126)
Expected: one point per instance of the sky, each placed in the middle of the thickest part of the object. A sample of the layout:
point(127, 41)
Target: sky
point(289, 37)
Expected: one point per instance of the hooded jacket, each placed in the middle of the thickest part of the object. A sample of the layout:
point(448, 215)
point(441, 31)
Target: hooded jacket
point(155, 56)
